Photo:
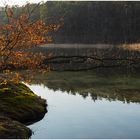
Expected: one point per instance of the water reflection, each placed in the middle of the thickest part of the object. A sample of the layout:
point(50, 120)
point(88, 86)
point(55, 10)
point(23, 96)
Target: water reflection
point(95, 114)
point(101, 83)
point(71, 117)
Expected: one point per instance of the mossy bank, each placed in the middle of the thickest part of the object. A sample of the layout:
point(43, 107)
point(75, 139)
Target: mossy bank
point(19, 106)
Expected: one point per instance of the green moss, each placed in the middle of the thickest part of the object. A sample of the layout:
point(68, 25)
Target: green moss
point(10, 129)
point(19, 103)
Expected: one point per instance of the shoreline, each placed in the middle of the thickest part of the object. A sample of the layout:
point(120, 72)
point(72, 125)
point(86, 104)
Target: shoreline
point(19, 107)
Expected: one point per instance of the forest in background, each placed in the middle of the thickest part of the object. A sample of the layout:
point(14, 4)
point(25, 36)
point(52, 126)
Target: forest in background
point(112, 22)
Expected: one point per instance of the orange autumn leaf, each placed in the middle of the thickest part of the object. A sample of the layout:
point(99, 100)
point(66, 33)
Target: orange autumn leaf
point(16, 37)
point(10, 12)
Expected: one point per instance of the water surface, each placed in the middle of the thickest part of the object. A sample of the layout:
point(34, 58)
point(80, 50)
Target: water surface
point(89, 105)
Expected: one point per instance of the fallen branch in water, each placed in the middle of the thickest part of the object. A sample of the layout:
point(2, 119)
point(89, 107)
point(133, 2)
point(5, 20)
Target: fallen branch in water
point(55, 59)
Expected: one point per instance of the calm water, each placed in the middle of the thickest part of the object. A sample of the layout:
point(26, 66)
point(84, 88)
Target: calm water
point(88, 105)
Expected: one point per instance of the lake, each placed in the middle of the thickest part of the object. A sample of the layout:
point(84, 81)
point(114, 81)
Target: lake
point(89, 104)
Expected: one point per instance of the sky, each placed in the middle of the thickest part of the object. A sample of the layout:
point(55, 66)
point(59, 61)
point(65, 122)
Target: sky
point(19, 2)
point(22, 2)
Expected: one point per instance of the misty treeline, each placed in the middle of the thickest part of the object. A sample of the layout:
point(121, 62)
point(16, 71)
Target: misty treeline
point(89, 22)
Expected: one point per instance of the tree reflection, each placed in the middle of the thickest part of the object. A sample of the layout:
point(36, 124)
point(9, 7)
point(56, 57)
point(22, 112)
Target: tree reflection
point(110, 85)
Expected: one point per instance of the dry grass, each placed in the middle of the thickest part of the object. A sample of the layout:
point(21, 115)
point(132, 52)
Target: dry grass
point(133, 47)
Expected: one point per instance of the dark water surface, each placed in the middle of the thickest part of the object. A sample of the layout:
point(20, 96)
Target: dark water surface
point(89, 104)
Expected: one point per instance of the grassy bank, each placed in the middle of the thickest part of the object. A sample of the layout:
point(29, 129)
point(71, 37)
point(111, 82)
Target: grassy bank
point(19, 103)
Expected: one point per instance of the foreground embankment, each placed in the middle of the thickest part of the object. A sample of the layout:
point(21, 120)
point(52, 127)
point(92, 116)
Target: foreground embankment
point(19, 106)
